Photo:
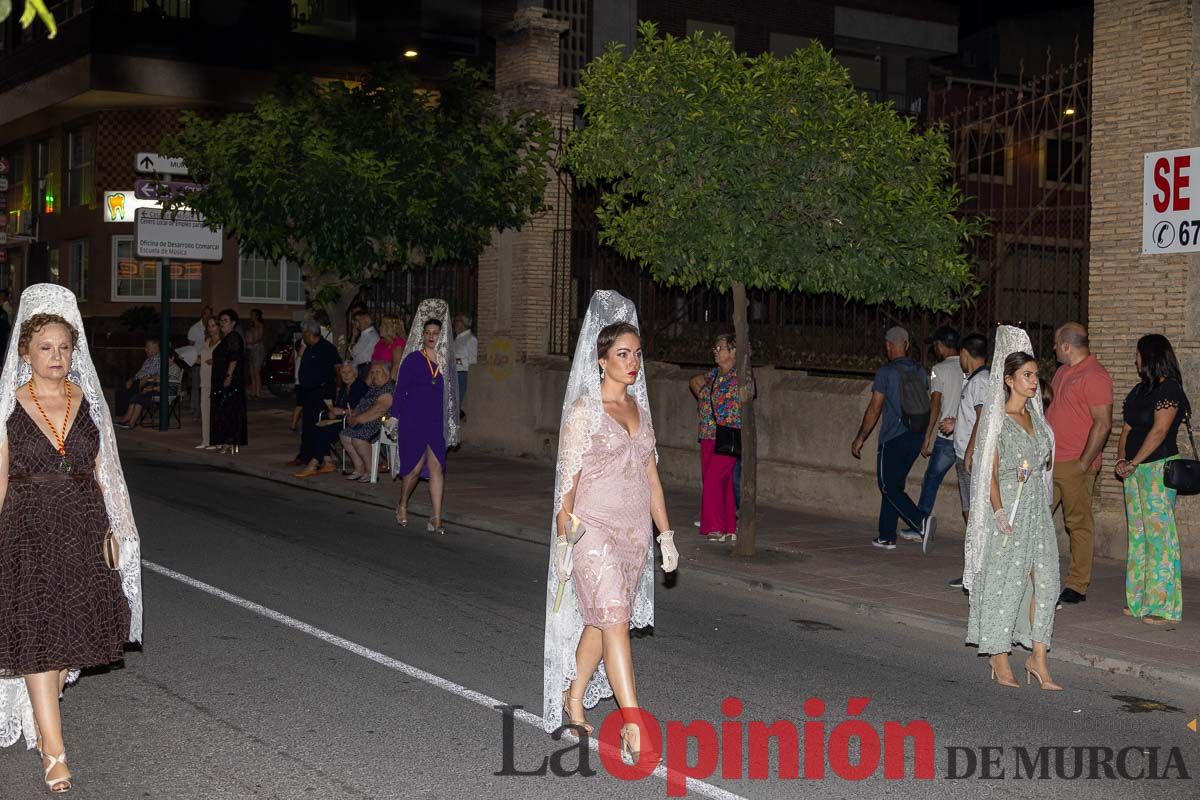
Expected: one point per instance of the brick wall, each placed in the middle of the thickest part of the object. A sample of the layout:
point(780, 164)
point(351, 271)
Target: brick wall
point(1143, 96)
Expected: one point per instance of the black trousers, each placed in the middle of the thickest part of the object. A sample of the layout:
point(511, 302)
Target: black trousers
point(314, 444)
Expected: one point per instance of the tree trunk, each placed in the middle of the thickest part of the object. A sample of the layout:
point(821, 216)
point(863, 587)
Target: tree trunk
point(335, 296)
point(747, 515)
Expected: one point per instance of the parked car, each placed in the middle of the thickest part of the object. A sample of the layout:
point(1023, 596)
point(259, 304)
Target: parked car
point(279, 373)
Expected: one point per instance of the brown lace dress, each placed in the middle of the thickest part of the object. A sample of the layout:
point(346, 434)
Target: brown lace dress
point(60, 605)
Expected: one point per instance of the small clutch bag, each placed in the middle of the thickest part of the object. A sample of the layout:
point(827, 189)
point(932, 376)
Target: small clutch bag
point(112, 551)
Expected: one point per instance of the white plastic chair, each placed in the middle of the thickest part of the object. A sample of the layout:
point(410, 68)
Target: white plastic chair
point(389, 437)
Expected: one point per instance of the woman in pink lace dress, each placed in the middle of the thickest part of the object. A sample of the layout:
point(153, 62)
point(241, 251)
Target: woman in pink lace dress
point(614, 496)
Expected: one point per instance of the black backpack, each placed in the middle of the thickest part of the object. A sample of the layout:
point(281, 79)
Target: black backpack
point(914, 400)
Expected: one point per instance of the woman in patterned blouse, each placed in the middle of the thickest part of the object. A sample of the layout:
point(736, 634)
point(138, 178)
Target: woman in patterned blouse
point(718, 403)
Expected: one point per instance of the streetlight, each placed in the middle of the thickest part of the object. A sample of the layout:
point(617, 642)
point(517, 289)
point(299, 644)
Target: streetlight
point(1068, 112)
point(410, 53)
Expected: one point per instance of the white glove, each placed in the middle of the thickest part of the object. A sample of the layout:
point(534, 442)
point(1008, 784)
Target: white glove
point(670, 555)
point(562, 564)
point(1002, 521)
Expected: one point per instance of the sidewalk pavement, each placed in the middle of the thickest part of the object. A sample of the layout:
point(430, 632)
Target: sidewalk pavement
point(820, 558)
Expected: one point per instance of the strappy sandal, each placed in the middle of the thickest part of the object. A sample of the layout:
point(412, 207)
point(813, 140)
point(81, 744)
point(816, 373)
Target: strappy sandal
point(575, 725)
point(402, 515)
point(430, 527)
point(56, 785)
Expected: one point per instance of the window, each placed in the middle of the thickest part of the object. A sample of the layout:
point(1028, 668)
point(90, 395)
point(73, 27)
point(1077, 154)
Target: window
point(784, 44)
point(985, 154)
point(1064, 160)
point(178, 9)
point(136, 279)
point(77, 267)
point(133, 278)
point(81, 146)
point(265, 280)
point(45, 182)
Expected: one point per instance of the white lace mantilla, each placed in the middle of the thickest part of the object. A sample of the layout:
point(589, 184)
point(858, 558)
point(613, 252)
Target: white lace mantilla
point(16, 713)
point(439, 310)
point(582, 413)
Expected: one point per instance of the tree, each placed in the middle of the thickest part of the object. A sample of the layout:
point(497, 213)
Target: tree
point(33, 8)
point(766, 173)
point(347, 179)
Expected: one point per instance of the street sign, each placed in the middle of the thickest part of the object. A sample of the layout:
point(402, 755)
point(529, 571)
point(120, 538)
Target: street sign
point(3, 184)
point(159, 164)
point(157, 190)
point(1171, 201)
point(183, 235)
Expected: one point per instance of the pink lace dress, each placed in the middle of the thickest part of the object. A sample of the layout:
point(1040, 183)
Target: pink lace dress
point(613, 502)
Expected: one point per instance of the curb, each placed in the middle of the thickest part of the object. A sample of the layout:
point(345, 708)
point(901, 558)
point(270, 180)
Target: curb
point(1096, 658)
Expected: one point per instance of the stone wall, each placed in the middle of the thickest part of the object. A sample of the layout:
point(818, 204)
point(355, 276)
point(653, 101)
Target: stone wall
point(1144, 85)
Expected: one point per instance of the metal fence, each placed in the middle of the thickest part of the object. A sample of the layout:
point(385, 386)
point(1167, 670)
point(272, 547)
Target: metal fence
point(1021, 156)
point(400, 291)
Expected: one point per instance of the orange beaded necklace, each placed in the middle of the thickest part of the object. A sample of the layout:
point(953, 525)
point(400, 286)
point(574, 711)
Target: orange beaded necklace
point(63, 464)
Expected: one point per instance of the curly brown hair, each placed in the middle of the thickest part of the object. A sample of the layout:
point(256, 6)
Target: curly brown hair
point(38, 321)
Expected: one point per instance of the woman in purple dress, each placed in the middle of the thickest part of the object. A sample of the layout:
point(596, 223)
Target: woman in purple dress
point(425, 406)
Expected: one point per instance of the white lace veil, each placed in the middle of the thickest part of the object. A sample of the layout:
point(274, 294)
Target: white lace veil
point(582, 412)
point(981, 520)
point(439, 310)
point(16, 713)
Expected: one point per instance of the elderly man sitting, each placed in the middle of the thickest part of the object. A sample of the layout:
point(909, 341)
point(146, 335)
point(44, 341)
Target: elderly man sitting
point(315, 385)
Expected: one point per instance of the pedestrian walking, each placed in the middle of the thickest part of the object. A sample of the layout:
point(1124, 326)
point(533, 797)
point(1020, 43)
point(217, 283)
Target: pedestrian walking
point(229, 428)
point(900, 398)
point(64, 510)
point(425, 405)
point(1081, 418)
point(972, 355)
point(1011, 563)
point(1152, 413)
point(466, 353)
point(945, 388)
point(718, 405)
point(607, 489)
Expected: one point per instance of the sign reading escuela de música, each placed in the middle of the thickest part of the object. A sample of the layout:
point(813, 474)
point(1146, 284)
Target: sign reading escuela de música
point(183, 235)
point(1171, 201)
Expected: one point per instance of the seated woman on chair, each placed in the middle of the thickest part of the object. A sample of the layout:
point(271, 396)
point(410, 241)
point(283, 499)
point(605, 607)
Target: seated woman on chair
point(362, 424)
point(149, 392)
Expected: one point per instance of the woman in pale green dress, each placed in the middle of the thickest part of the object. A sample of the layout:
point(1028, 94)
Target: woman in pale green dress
point(1014, 592)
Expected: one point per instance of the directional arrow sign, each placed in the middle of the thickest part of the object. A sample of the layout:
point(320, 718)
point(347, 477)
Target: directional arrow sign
point(1192, 726)
point(157, 190)
point(158, 163)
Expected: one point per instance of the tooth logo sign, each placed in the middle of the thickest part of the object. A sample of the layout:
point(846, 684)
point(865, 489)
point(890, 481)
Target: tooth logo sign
point(116, 206)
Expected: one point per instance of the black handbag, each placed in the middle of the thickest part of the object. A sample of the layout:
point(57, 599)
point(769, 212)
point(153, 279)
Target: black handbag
point(1183, 474)
point(728, 440)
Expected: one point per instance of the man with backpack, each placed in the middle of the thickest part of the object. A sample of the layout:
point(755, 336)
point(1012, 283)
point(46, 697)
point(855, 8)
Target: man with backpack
point(900, 395)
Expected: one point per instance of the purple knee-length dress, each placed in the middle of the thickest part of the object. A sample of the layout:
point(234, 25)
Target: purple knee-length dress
point(418, 406)
point(613, 502)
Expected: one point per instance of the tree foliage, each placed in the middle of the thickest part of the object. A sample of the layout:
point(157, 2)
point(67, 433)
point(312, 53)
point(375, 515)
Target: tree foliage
point(350, 178)
point(772, 172)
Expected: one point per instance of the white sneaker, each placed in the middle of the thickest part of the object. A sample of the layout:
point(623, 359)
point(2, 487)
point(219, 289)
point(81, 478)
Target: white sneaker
point(928, 528)
point(910, 536)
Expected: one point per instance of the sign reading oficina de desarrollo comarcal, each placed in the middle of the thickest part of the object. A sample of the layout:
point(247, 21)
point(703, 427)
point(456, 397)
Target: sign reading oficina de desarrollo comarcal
point(1171, 201)
point(180, 235)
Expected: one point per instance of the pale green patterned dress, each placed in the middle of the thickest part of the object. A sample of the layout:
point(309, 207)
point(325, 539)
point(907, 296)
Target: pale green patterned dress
point(1010, 573)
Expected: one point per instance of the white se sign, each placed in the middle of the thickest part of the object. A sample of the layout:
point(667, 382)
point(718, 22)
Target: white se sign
point(1170, 203)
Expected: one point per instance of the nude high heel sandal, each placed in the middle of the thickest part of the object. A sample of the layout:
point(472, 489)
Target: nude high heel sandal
point(573, 724)
point(1032, 672)
point(56, 785)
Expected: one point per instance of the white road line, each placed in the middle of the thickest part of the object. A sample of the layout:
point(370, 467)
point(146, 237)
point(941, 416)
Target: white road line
point(693, 784)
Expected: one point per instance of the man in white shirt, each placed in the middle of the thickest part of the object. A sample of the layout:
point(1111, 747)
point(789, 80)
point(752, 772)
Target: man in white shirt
point(972, 357)
point(466, 353)
point(945, 385)
point(195, 337)
point(364, 345)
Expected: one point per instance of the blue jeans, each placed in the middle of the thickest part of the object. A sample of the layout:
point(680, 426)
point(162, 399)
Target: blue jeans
point(893, 462)
point(941, 460)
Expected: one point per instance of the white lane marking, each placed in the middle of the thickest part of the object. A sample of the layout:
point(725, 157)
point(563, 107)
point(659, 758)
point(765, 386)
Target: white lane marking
point(693, 784)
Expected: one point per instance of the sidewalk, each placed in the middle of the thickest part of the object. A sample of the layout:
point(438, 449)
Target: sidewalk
point(821, 559)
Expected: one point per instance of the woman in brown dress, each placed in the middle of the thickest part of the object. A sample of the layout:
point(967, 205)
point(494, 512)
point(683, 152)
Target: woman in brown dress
point(61, 606)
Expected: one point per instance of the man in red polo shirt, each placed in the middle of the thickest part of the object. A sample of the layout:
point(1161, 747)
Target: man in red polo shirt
point(1081, 417)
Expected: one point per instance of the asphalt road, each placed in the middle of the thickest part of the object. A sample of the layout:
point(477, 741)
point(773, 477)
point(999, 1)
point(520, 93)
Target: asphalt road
point(340, 660)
